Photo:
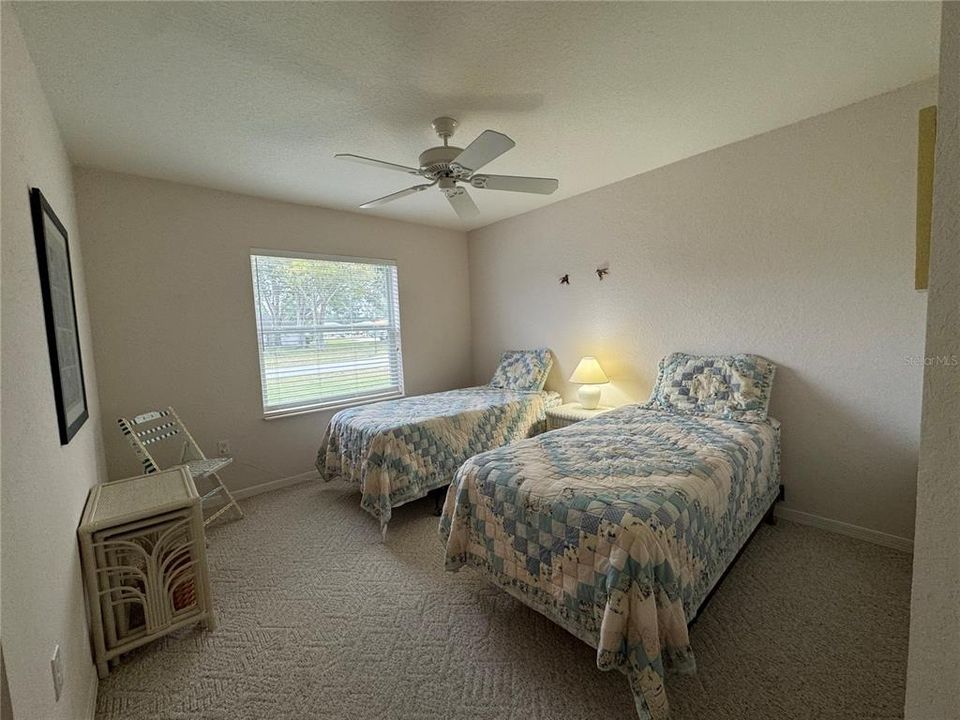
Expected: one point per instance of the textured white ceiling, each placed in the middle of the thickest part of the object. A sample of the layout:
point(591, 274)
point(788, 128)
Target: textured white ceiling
point(257, 97)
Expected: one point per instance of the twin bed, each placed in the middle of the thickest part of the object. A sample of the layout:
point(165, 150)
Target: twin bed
point(618, 528)
point(400, 450)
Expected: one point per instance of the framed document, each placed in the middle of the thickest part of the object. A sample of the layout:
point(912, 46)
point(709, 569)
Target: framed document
point(63, 339)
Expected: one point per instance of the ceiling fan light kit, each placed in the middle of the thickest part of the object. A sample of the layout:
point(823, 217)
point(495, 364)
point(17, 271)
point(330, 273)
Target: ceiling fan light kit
point(447, 165)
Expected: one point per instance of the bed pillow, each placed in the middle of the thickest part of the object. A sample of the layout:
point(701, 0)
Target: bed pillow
point(523, 370)
point(731, 387)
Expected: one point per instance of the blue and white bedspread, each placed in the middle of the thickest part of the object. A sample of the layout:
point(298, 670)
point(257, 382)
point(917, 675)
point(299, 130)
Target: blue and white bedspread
point(617, 528)
point(399, 450)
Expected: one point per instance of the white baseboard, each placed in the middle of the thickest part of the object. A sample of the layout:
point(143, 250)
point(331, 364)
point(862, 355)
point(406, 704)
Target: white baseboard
point(271, 485)
point(856, 531)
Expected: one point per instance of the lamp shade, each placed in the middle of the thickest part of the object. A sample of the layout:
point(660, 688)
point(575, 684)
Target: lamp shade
point(589, 372)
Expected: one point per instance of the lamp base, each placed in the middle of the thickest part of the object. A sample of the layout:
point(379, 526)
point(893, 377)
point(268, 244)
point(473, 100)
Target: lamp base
point(589, 396)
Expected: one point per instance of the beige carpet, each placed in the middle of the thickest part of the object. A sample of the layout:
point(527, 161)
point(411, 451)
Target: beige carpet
point(319, 619)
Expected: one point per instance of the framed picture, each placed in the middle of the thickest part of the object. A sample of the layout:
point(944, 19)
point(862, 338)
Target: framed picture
point(926, 152)
point(63, 339)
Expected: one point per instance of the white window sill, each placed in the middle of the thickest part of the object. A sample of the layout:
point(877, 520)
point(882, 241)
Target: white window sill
point(290, 412)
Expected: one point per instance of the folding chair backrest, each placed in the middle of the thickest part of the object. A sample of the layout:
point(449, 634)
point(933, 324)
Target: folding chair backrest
point(152, 435)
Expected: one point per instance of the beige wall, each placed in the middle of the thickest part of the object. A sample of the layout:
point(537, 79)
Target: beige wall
point(172, 303)
point(796, 244)
point(44, 485)
point(933, 675)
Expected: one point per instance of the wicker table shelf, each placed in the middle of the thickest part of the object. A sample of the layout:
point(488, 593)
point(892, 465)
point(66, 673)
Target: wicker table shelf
point(144, 562)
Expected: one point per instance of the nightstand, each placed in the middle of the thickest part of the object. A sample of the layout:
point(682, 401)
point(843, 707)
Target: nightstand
point(144, 561)
point(570, 413)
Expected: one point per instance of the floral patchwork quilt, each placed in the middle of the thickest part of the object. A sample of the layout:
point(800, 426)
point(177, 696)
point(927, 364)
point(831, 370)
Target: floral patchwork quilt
point(617, 528)
point(399, 450)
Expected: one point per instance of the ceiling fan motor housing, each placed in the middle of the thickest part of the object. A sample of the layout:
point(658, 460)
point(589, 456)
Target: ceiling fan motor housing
point(448, 186)
point(435, 161)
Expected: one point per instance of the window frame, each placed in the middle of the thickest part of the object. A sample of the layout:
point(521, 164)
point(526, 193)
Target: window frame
point(339, 403)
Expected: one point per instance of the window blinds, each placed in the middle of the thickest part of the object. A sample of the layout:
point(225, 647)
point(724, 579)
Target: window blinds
point(328, 330)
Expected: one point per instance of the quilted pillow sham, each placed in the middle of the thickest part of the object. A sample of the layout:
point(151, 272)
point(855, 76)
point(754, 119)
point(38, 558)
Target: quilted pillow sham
point(524, 370)
point(730, 387)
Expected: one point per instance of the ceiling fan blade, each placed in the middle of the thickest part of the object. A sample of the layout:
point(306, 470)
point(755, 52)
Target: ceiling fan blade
point(488, 146)
point(397, 195)
point(516, 183)
point(377, 163)
point(463, 204)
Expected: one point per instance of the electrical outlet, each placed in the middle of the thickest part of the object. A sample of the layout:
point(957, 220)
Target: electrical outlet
point(223, 448)
point(56, 667)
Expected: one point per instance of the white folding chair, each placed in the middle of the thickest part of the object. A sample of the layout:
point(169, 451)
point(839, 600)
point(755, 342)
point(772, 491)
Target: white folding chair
point(160, 429)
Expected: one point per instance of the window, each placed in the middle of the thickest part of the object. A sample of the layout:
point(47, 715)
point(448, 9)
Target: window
point(328, 330)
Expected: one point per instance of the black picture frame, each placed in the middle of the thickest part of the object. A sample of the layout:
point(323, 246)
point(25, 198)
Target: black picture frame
point(60, 313)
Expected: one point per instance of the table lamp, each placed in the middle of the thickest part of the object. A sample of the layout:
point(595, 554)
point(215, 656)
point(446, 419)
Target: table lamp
point(589, 376)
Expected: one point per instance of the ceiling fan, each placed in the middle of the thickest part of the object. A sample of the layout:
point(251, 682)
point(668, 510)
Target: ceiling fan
point(446, 166)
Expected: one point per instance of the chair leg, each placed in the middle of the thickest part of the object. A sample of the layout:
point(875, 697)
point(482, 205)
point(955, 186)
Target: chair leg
point(231, 502)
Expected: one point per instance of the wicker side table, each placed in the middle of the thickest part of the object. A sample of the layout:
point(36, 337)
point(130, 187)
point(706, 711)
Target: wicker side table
point(144, 562)
point(570, 413)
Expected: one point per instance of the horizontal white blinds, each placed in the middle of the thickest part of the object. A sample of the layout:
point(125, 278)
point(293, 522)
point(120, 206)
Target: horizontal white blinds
point(328, 330)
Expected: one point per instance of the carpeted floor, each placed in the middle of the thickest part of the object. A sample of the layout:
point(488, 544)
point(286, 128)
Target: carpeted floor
point(320, 619)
